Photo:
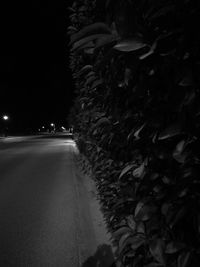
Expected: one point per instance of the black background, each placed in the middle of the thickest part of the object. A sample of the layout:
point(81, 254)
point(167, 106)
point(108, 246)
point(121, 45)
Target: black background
point(35, 82)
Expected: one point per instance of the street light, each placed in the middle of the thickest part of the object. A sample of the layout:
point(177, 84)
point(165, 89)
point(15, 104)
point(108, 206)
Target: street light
point(53, 126)
point(5, 117)
point(5, 130)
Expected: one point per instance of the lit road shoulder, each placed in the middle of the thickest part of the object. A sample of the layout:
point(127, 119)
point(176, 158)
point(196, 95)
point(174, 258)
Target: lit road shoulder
point(46, 214)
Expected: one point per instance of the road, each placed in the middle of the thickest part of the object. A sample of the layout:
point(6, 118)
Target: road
point(47, 215)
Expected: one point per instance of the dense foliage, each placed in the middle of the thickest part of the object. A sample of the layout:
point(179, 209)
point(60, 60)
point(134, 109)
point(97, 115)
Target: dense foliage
point(135, 64)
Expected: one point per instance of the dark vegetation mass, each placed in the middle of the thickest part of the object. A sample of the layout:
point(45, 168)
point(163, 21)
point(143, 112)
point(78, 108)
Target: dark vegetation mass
point(136, 68)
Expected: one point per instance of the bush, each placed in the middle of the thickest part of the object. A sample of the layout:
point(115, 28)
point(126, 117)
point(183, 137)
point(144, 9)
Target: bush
point(136, 69)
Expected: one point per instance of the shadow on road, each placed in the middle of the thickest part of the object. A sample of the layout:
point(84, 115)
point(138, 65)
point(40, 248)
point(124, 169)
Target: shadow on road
point(102, 258)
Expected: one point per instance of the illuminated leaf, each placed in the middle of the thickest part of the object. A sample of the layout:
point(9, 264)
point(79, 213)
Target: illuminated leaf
point(169, 132)
point(121, 231)
point(178, 152)
point(140, 171)
point(173, 247)
point(183, 259)
point(157, 247)
point(80, 44)
point(95, 28)
point(85, 69)
point(144, 212)
point(125, 170)
point(135, 242)
point(130, 45)
point(96, 83)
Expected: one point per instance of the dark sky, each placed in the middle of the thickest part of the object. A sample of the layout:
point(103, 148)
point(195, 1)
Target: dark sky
point(35, 82)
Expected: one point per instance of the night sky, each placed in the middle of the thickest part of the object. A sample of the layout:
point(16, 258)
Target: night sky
point(35, 83)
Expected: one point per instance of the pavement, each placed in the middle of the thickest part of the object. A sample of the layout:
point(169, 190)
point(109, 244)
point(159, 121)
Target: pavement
point(49, 214)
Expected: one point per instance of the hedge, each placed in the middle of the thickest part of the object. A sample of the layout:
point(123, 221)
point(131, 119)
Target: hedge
point(135, 65)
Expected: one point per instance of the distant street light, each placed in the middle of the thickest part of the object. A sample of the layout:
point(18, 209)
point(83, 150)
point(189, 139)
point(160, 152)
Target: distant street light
point(5, 130)
point(43, 127)
point(5, 117)
point(53, 127)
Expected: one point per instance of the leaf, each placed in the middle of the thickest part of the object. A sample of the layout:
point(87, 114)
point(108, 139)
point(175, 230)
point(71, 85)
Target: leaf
point(136, 134)
point(179, 215)
point(154, 264)
point(140, 171)
point(150, 52)
point(102, 122)
point(134, 241)
point(178, 152)
point(174, 247)
point(90, 79)
point(85, 69)
point(165, 208)
point(95, 28)
point(72, 29)
point(82, 9)
point(183, 259)
point(170, 131)
point(122, 240)
point(161, 12)
point(138, 207)
point(109, 2)
point(131, 222)
point(157, 247)
point(141, 228)
point(121, 231)
point(146, 54)
point(130, 45)
point(96, 83)
point(89, 50)
point(127, 76)
point(187, 80)
point(105, 40)
point(84, 41)
point(144, 212)
point(125, 170)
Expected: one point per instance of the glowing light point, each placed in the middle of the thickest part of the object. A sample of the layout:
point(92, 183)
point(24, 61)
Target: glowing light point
point(5, 117)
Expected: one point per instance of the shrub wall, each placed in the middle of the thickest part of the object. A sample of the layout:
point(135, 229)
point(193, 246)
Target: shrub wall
point(135, 64)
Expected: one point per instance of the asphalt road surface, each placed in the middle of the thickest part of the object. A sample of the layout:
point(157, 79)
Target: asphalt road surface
point(45, 208)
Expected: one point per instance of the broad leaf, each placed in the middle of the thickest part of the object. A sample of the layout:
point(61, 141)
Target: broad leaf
point(161, 12)
point(126, 169)
point(131, 222)
point(80, 44)
point(130, 45)
point(71, 29)
point(170, 131)
point(121, 231)
point(96, 83)
point(157, 247)
point(178, 154)
point(135, 242)
point(144, 212)
point(173, 247)
point(90, 79)
point(140, 171)
point(85, 69)
point(102, 122)
point(184, 259)
point(105, 40)
point(96, 28)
